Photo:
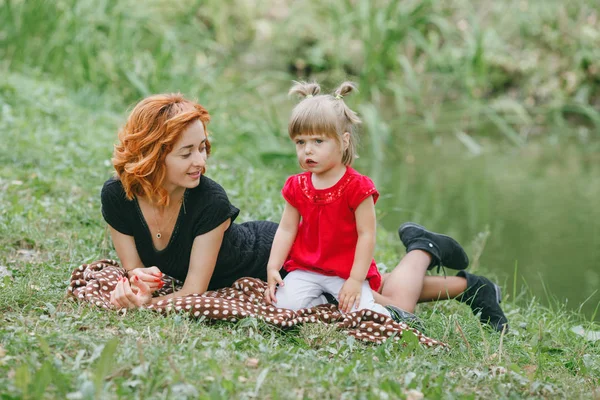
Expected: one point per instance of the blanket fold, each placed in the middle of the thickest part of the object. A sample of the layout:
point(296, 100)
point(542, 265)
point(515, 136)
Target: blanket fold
point(93, 283)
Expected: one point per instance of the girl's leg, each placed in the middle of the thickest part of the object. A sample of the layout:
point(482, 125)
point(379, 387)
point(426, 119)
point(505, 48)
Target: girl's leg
point(301, 289)
point(367, 301)
point(333, 284)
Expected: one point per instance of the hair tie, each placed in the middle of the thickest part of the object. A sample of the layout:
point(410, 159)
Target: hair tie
point(339, 97)
point(309, 95)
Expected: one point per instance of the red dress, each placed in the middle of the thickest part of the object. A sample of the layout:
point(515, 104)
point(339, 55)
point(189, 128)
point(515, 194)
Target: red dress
point(327, 235)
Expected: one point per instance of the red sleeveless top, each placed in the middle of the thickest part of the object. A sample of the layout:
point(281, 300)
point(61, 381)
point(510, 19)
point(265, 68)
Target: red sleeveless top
point(327, 235)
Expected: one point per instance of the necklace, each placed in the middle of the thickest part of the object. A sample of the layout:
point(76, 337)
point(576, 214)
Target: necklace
point(158, 227)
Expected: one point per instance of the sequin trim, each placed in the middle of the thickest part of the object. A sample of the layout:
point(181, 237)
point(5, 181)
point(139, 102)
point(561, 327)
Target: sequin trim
point(330, 195)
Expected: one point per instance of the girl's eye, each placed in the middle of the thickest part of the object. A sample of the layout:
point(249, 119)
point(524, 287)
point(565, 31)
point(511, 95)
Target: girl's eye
point(300, 142)
point(318, 141)
point(186, 155)
point(202, 149)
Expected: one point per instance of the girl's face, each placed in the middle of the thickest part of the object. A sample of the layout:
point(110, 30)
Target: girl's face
point(187, 160)
point(320, 154)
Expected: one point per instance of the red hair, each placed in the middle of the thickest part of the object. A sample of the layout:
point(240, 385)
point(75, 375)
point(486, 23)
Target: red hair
point(152, 129)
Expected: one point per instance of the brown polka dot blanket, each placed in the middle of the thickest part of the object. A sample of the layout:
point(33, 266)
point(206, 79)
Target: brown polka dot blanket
point(93, 283)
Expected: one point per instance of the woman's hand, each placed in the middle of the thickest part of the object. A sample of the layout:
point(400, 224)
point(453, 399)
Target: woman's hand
point(273, 279)
point(150, 276)
point(349, 295)
point(127, 296)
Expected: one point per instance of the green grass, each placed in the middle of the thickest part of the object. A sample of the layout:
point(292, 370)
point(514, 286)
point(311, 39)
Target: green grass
point(506, 77)
point(50, 346)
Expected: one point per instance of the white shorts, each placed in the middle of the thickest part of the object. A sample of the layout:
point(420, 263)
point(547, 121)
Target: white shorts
point(303, 289)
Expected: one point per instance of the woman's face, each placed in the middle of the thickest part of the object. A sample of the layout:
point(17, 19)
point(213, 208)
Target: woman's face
point(187, 160)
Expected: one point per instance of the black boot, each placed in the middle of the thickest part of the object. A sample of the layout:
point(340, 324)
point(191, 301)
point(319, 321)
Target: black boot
point(330, 298)
point(444, 250)
point(397, 314)
point(484, 296)
point(410, 319)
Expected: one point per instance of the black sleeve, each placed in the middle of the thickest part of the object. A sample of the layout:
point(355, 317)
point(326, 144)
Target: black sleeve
point(114, 206)
point(215, 208)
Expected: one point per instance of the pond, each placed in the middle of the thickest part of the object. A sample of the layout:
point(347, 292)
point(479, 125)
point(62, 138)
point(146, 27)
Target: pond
point(529, 217)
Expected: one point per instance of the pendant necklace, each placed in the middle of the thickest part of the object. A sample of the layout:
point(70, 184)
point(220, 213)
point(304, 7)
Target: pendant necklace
point(158, 228)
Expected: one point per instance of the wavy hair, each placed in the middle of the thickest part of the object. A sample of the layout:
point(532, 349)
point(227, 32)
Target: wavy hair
point(149, 134)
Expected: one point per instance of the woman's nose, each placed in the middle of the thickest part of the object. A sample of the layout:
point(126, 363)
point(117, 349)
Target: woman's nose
point(199, 159)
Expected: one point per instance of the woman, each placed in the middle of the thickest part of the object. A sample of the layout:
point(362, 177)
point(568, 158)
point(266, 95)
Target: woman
point(165, 216)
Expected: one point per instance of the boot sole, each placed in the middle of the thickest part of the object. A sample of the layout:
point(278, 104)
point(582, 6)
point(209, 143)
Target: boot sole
point(407, 225)
point(503, 327)
point(498, 293)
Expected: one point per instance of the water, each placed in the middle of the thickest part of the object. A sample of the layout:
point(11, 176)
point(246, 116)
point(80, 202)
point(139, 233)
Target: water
point(531, 213)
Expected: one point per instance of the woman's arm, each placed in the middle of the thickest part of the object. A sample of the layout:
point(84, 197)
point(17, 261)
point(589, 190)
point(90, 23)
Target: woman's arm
point(282, 243)
point(203, 260)
point(130, 260)
point(365, 247)
point(126, 250)
point(124, 295)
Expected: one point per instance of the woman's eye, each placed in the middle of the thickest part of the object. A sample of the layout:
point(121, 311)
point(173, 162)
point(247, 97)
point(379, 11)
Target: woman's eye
point(186, 155)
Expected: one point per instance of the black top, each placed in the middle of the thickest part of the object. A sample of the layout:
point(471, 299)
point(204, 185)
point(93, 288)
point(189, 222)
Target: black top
point(244, 251)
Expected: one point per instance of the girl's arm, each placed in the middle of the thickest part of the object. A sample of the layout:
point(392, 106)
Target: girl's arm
point(366, 227)
point(365, 247)
point(284, 238)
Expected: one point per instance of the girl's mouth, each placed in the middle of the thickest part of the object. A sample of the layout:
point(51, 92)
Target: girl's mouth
point(310, 162)
point(194, 175)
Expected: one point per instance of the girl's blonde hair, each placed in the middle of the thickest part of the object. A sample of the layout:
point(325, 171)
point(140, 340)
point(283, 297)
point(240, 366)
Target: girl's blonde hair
point(324, 114)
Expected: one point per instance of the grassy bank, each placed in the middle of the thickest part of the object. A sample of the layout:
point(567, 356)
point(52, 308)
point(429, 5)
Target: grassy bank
point(510, 75)
point(52, 169)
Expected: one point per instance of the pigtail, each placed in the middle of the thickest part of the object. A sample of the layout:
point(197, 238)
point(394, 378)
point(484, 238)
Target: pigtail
point(342, 91)
point(345, 89)
point(305, 89)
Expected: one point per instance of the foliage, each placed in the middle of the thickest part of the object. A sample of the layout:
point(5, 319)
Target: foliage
point(513, 70)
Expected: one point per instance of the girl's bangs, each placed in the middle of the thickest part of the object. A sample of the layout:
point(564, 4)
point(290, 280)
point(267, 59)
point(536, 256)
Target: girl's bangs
point(313, 121)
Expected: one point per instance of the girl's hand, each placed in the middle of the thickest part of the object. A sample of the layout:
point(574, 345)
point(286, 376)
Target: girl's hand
point(150, 276)
point(349, 296)
point(273, 278)
point(126, 296)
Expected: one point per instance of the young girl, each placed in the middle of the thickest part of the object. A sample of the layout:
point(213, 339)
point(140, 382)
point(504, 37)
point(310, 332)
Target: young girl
point(326, 237)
